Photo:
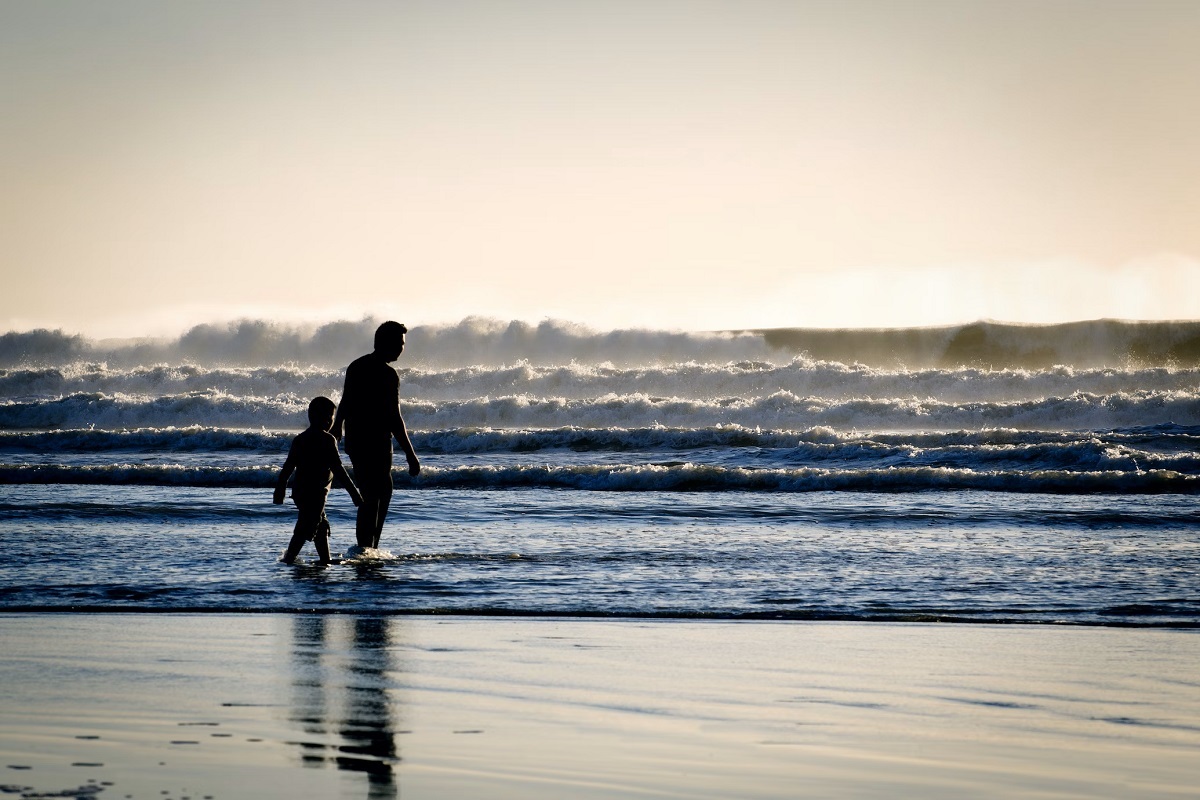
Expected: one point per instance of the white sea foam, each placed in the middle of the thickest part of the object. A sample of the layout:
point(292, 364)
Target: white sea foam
point(779, 410)
point(681, 477)
point(476, 341)
point(690, 380)
point(356, 554)
point(692, 411)
point(472, 341)
point(1168, 447)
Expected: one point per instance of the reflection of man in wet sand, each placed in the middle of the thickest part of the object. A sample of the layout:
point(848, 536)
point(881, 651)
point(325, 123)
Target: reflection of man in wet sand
point(356, 688)
point(370, 412)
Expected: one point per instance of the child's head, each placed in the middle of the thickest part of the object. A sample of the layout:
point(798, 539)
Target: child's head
point(320, 413)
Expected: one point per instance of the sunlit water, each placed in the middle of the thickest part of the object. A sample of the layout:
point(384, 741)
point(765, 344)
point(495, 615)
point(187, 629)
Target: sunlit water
point(824, 555)
point(691, 476)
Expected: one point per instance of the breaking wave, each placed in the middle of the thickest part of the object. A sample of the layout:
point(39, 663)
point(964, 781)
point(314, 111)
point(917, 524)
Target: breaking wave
point(801, 376)
point(1090, 407)
point(477, 341)
point(780, 410)
point(682, 477)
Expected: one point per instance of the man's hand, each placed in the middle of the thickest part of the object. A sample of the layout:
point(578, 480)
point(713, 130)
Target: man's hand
point(414, 466)
point(278, 498)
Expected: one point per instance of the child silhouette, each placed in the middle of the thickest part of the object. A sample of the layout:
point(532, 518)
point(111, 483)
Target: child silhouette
point(315, 460)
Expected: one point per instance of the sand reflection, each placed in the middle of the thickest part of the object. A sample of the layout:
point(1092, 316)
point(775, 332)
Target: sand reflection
point(340, 698)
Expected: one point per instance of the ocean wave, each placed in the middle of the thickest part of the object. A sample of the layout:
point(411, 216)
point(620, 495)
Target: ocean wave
point(1131, 450)
point(687, 380)
point(801, 376)
point(114, 412)
point(195, 438)
point(250, 342)
point(675, 477)
point(139, 475)
point(779, 410)
point(1168, 437)
point(84, 378)
point(475, 340)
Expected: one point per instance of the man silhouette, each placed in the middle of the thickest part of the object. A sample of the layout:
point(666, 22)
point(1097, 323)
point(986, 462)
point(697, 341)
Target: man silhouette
point(370, 412)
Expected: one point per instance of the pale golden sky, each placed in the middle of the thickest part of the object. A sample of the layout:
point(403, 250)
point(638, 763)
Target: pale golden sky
point(682, 164)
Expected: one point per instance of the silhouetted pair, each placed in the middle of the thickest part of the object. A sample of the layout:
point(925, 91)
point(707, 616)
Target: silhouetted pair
point(370, 417)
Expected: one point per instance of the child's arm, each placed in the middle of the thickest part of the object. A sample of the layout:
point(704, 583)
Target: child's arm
point(344, 477)
point(281, 485)
point(339, 416)
point(335, 464)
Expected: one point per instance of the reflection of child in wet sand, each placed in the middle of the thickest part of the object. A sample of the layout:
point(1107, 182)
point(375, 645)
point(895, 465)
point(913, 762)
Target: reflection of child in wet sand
point(315, 460)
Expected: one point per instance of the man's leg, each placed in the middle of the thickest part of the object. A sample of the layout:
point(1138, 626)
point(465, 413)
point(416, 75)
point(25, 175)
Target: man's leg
point(385, 503)
point(374, 479)
point(365, 523)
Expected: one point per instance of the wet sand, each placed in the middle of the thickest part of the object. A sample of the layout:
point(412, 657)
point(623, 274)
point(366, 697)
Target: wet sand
point(242, 706)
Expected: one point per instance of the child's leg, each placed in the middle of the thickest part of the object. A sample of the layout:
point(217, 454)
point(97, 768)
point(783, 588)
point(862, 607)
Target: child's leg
point(308, 517)
point(321, 539)
point(294, 547)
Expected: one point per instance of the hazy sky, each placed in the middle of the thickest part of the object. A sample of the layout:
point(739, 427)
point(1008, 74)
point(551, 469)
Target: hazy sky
point(652, 163)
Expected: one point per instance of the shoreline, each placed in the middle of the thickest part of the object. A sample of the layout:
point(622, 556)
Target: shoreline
point(352, 705)
point(916, 618)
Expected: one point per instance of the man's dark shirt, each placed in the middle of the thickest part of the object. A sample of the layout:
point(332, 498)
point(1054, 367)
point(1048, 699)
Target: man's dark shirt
point(370, 406)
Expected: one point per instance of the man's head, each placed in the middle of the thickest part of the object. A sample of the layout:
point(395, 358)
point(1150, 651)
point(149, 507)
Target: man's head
point(389, 340)
point(320, 413)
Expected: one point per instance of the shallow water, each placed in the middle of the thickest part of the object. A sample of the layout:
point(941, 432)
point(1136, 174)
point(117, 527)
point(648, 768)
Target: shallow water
point(981, 556)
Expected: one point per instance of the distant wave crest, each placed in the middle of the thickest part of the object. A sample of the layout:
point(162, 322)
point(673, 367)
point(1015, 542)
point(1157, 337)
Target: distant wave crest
point(480, 341)
point(801, 376)
point(777, 410)
point(679, 477)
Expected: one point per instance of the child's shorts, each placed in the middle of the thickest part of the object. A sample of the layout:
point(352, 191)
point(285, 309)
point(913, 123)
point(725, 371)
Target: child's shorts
point(310, 517)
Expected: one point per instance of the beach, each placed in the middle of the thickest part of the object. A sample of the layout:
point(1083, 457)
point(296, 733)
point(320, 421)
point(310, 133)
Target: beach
point(294, 705)
point(595, 400)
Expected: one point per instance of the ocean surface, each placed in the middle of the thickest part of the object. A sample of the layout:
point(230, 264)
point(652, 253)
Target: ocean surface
point(979, 473)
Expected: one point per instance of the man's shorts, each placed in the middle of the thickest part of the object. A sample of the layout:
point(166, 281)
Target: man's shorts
point(373, 473)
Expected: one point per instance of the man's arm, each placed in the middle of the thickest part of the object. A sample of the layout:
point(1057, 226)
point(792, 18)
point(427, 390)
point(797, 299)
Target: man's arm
point(401, 434)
